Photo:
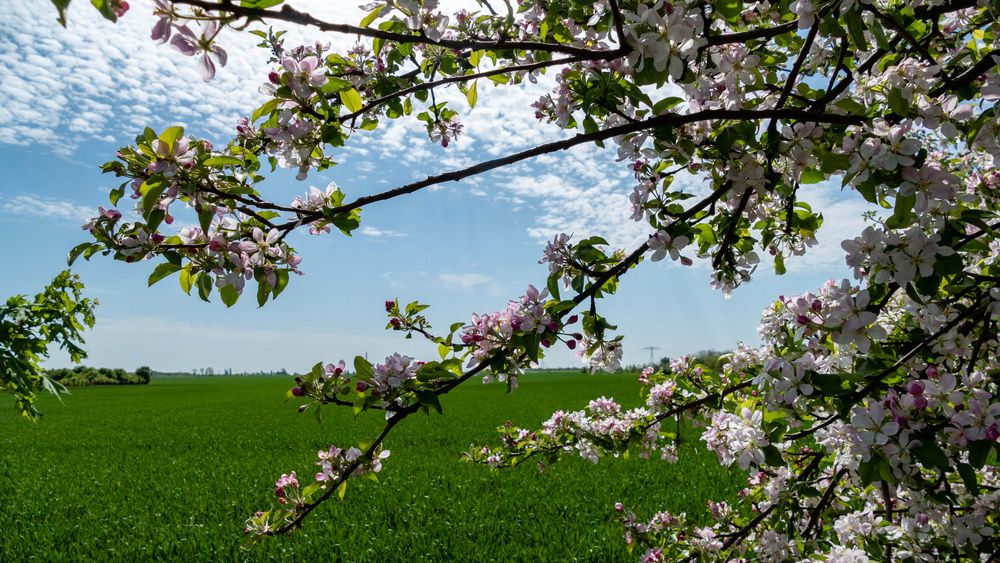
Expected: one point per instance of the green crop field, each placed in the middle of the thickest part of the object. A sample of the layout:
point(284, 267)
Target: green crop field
point(171, 470)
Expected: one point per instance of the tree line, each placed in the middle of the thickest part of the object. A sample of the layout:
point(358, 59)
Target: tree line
point(81, 376)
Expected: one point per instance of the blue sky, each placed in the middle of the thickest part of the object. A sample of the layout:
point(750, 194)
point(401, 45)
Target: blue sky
point(73, 96)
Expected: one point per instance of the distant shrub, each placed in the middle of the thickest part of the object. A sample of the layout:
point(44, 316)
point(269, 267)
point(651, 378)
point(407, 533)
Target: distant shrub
point(82, 376)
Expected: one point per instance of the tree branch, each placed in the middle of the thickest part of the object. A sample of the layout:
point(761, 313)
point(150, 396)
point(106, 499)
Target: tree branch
point(291, 15)
point(460, 78)
point(665, 120)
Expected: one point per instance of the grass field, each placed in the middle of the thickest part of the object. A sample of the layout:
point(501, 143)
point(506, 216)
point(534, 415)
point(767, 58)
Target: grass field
point(171, 470)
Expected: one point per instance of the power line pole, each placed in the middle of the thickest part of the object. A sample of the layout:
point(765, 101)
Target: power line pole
point(652, 361)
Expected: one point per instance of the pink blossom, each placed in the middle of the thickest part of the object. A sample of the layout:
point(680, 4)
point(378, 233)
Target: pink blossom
point(189, 44)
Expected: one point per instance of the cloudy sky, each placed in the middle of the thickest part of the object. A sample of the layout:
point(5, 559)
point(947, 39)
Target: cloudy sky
point(71, 97)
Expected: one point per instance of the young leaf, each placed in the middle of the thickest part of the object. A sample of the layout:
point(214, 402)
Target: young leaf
point(162, 271)
point(471, 95)
point(351, 100)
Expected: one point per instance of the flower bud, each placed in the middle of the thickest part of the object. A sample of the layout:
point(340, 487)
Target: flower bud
point(274, 77)
point(388, 306)
point(572, 319)
point(361, 386)
point(298, 391)
point(571, 344)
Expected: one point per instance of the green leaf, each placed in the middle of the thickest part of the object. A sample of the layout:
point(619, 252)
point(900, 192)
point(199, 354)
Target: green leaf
point(342, 489)
point(772, 456)
point(162, 271)
point(76, 252)
point(186, 280)
point(851, 105)
point(204, 286)
point(61, 6)
point(229, 295)
point(260, 4)
point(104, 7)
point(779, 265)
point(220, 161)
point(978, 452)
point(363, 368)
point(471, 95)
point(265, 109)
point(263, 292)
point(116, 195)
point(968, 475)
point(868, 470)
point(280, 282)
point(553, 286)
point(429, 399)
point(171, 134)
point(666, 104)
point(151, 196)
point(156, 216)
point(351, 100)
point(898, 103)
point(372, 16)
point(931, 455)
point(730, 10)
point(856, 27)
point(811, 176)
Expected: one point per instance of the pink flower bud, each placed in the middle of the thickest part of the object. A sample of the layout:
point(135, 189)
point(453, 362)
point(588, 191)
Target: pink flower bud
point(916, 388)
point(298, 391)
point(361, 386)
point(571, 344)
point(572, 319)
point(546, 343)
point(389, 305)
point(274, 77)
point(932, 371)
point(817, 305)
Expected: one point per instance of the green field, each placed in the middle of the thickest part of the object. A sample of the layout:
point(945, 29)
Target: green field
point(171, 470)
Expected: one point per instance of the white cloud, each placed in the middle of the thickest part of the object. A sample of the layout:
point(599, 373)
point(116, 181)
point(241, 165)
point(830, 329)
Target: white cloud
point(380, 233)
point(98, 80)
point(465, 282)
point(842, 219)
point(48, 208)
